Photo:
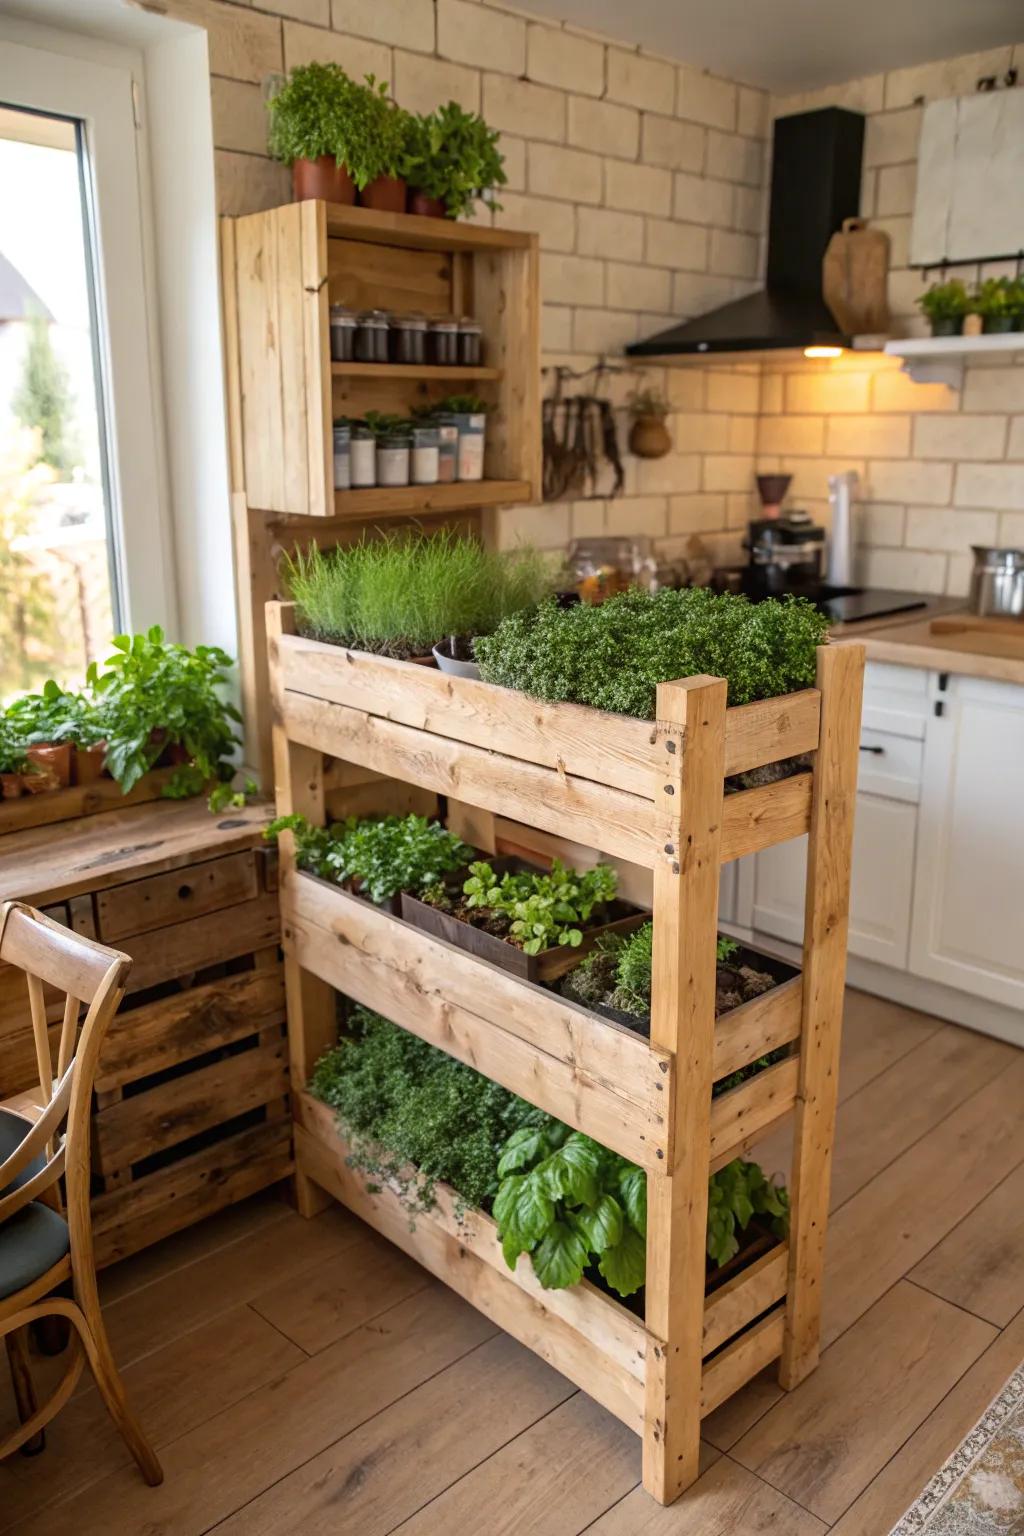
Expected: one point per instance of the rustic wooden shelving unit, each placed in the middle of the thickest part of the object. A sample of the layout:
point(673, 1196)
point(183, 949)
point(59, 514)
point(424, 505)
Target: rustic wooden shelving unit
point(281, 270)
point(563, 779)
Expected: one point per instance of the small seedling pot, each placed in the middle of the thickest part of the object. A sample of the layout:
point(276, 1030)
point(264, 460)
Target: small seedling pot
point(88, 763)
point(649, 438)
point(386, 194)
point(322, 178)
point(52, 763)
point(454, 665)
point(10, 786)
point(949, 325)
point(1000, 325)
point(549, 964)
point(426, 207)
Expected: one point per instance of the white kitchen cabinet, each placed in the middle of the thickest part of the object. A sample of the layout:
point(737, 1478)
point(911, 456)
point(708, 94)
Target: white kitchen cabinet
point(881, 883)
point(968, 922)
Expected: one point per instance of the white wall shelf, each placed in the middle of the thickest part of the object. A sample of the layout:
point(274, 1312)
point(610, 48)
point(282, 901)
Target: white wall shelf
point(942, 359)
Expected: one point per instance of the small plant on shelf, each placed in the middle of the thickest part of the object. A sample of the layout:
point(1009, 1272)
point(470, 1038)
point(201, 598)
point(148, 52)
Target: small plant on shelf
point(945, 305)
point(648, 435)
point(612, 655)
point(451, 162)
point(376, 856)
point(401, 596)
point(531, 909)
point(1000, 303)
point(320, 114)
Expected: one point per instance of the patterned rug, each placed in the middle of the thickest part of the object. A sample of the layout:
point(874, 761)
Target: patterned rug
point(980, 1490)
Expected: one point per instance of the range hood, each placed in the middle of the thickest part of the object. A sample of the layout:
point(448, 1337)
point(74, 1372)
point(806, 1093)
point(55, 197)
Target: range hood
point(816, 166)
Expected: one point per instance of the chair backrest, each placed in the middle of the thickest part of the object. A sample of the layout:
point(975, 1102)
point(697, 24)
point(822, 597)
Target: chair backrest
point(90, 976)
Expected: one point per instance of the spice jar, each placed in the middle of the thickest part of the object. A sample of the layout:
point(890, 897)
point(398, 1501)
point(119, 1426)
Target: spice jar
point(342, 459)
point(470, 343)
point(471, 445)
point(425, 455)
point(343, 330)
point(362, 456)
point(408, 337)
point(371, 337)
point(393, 457)
point(443, 343)
point(447, 446)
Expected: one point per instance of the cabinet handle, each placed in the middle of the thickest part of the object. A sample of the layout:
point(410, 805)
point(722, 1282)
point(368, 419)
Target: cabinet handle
point(878, 751)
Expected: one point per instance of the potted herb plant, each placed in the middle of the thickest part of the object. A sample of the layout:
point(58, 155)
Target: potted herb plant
point(376, 857)
point(612, 655)
point(998, 301)
point(533, 922)
point(470, 415)
point(451, 161)
point(85, 728)
point(41, 719)
point(307, 131)
point(374, 138)
point(13, 762)
point(945, 305)
point(648, 435)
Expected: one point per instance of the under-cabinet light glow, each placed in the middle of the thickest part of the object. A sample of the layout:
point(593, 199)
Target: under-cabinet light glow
point(823, 351)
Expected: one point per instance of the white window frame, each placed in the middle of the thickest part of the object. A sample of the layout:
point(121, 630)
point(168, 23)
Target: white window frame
point(102, 96)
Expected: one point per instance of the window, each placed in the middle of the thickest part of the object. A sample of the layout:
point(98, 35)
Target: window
point(84, 531)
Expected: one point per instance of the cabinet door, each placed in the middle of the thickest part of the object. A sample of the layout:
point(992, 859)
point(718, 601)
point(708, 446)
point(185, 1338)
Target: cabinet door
point(881, 880)
point(968, 928)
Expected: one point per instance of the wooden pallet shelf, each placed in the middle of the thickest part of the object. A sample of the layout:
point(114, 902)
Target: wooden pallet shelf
point(413, 499)
point(574, 782)
point(80, 800)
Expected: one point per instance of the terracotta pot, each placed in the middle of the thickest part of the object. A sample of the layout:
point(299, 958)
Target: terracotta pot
point(386, 194)
point(322, 178)
point(88, 762)
point(649, 438)
point(426, 207)
point(973, 325)
point(10, 786)
point(53, 760)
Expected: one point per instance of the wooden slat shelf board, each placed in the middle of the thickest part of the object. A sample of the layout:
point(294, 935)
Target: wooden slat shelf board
point(601, 1078)
point(421, 234)
point(582, 809)
point(416, 371)
point(430, 498)
point(557, 779)
point(581, 1331)
point(80, 800)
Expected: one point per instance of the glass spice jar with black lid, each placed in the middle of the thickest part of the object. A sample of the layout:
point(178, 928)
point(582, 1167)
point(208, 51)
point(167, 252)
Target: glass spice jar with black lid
point(371, 337)
point(470, 343)
point(443, 342)
point(408, 339)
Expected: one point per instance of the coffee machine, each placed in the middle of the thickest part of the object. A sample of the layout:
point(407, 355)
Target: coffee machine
point(787, 550)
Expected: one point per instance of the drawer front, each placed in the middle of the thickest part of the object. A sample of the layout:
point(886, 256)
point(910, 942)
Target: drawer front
point(161, 900)
point(895, 699)
point(890, 765)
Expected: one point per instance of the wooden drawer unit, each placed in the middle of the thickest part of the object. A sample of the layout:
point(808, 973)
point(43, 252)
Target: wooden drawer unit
point(191, 1105)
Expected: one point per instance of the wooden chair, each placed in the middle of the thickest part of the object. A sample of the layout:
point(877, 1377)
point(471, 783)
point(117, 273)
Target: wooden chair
point(40, 1248)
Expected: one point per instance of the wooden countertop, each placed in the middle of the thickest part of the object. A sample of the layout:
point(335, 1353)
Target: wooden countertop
point(92, 853)
point(909, 642)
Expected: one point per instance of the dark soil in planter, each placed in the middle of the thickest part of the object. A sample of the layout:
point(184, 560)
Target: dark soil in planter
point(395, 650)
point(746, 974)
point(485, 933)
point(768, 773)
point(755, 1241)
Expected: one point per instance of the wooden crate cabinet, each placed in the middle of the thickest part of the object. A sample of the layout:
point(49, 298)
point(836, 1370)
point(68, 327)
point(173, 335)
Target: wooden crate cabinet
point(520, 773)
point(191, 1103)
point(281, 271)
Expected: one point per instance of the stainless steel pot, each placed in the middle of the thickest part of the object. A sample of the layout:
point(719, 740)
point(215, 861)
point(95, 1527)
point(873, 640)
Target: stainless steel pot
point(997, 581)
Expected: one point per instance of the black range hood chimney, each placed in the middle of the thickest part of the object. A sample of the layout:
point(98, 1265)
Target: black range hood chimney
point(816, 165)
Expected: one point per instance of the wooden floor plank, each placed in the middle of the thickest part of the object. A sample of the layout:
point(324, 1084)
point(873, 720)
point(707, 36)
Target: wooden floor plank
point(726, 1501)
point(235, 1456)
point(980, 1265)
point(172, 1390)
point(891, 1224)
point(740, 1412)
point(900, 1482)
point(825, 1441)
point(555, 1479)
point(876, 1033)
point(367, 1276)
point(387, 1469)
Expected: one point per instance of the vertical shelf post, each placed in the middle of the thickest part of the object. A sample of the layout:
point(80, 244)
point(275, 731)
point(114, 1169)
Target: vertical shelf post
point(840, 674)
point(688, 822)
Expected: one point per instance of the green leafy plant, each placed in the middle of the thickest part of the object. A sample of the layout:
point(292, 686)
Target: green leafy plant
point(414, 1116)
point(225, 797)
point(736, 1194)
point(725, 948)
point(12, 748)
point(543, 909)
point(451, 154)
point(380, 856)
point(569, 1202)
point(995, 297)
point(320, 110)
point(945, 301)
point(155, 694)
point(462, 405)
point(381, 423)
point(312, 844)
point(612, 655)
point(399, 596)
point(647, 402)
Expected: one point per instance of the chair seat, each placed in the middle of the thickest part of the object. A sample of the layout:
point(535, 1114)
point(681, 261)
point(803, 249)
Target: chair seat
point(34, 1238)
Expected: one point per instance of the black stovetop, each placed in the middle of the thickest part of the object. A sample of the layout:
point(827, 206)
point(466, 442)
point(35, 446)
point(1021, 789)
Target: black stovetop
point(843, 605)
